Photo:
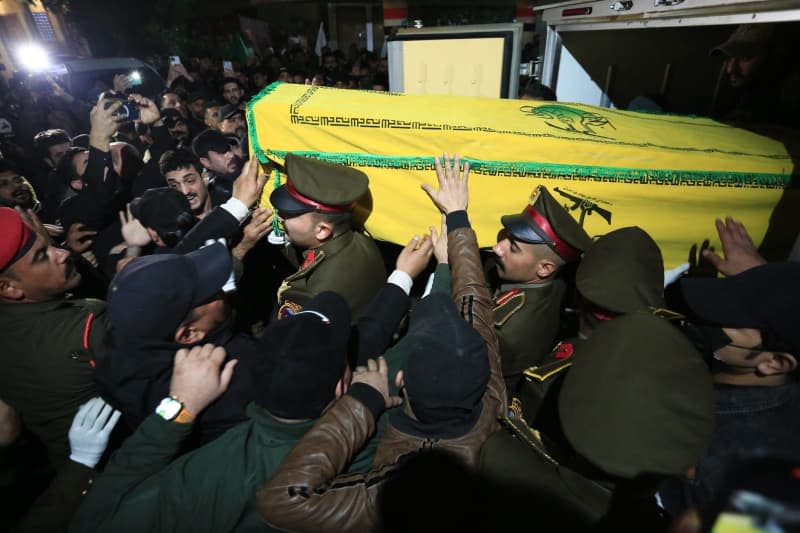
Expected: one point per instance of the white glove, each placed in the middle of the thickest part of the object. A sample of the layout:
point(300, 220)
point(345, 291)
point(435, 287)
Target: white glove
point(672, 275)
point(91, 427)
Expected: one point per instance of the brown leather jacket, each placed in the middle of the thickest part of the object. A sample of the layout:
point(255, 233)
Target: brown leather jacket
point(306, 494)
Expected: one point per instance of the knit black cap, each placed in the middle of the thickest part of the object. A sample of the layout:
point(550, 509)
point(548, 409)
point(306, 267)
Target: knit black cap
point(299, 374)
point(448, 365)
point(165, 210)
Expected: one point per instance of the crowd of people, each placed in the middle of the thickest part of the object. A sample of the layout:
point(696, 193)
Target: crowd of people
point(178, 357)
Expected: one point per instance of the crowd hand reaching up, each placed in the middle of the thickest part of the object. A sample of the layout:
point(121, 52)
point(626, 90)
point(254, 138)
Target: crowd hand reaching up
point(196, 377)
point(259, 225)
point(104, 123)
point(59, 92)
point(148, 110)
point(453, 193)
point(133, 231)
point(738, 248)
point(248, 186)
point(415, 256)
point(76, 238)
point(91, 428)
point(440, 242)
point(376, 375)
point(176, 71)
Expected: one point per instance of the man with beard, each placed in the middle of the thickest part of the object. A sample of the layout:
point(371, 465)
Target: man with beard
point(211, 115)
point(196, 104)
point(232, 121)
point(760, 69)
point(221, 165)
point(533, 247)
point(48, 337)
point(233, 92)
point(15, 189)
point(177, 127)
point(184, 173)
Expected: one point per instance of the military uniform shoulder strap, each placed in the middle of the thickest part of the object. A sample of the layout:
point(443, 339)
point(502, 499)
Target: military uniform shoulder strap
point(506, 304)
point(528, 435)
point(561, 361)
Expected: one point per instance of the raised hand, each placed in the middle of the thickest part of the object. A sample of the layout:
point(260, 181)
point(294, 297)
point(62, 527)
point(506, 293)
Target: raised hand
point(376, 375)
point(415, 256)
point(104, 123)
point(737, 246)
point(196, 377)
point(259, 225)
point(453, 193)
point(148, 110)
point(76, 238)
point(248, 186)
point(440, 242)
point(133, 231)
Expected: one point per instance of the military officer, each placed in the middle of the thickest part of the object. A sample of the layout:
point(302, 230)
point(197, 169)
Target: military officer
point(622, 429)
point(315, 206)
point(48, 339)
point(533, 247)
point(622, 272)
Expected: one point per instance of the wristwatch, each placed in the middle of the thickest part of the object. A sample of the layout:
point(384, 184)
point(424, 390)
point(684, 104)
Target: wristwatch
point(172, 409)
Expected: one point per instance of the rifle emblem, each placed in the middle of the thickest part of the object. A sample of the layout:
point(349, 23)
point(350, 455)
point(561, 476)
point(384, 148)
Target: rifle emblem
point(586, 206)
point(569, 118)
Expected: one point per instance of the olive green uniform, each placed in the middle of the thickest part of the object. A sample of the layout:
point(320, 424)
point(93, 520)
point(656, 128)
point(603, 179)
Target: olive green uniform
point(526, 318)
point(611, 415)
point(47, 359)
point(349, 264)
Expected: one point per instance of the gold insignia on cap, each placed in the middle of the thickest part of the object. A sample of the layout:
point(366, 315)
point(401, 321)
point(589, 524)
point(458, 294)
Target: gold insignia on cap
point(535, 195)
point(288, 309)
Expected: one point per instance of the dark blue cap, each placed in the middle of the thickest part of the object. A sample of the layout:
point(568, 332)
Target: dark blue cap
point(152, 295)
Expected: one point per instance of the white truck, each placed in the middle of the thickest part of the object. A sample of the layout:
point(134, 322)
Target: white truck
point(609, 52)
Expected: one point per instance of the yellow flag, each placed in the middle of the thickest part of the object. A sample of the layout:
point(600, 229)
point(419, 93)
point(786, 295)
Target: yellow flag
point(671, 175)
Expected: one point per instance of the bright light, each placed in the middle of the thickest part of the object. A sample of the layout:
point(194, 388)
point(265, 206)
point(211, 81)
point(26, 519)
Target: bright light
point(33, 57)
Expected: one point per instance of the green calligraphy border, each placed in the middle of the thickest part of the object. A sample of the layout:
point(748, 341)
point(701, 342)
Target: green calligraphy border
point(527, 169)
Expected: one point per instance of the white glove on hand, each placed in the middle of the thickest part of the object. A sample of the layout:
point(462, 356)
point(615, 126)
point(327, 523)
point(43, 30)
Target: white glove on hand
point(91, 427)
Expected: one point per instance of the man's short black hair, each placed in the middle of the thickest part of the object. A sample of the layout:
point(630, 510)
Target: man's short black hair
point(341, 222)
point(209, 105)
point(43, 140)
point(66, 171)
point(6, 165)
point(177, 159)
point(225, 81)
point(165, 92)
point(539, 91)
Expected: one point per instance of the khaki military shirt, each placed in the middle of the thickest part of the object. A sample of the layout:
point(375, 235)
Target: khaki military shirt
point(526, 318)
point(349, 264)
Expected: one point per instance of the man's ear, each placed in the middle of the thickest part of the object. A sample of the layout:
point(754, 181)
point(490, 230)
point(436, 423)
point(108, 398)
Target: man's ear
point(154, 236)
point(777, 363)
point(323, 230)
point(205, 162)
point(188, 334)
point(545, 268)
point(9, 289)
point(398, 380)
